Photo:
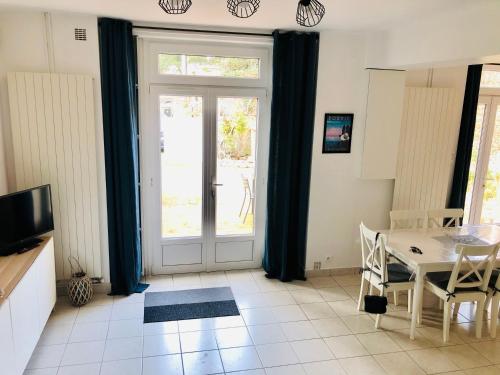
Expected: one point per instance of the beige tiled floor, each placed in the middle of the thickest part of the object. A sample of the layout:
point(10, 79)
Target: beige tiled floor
point(306, 328)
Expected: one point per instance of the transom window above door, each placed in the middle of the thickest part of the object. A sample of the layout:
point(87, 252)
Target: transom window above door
point(209, 66)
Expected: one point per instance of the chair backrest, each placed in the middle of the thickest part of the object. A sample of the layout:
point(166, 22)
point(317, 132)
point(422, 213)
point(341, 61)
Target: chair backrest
point(373, 252)
point(473, 267)
point(436, 217)
point(408, 219)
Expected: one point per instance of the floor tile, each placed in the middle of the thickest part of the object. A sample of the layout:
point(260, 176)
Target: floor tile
point(361, 365)
point(322, 282)
point(345, 308)
point(306, 296)
point(46, 356)
point(202, 363)
point(168, 364)
point(334, 294)
point(89, 314)
point(239, 359)
point(55, 334)
point(435, 336)
point(464, 356)
point(161, 328)
point(378, 343)
point(432, 361)
point(393, 363)
point(83, 352)
point(359, 323)
point(233, 337)
point(279, 354)
point(267, 334)
point(124, 348)
point(402, 338)
point(133, 298)
point(311, 350)
point(161, 345)
point(330, 327)
point(228, 322)
point(490, 370)
point(43, 371)
point(323, 368)
point(302, 330)
point(318, 310)
point(286, 370)
point(193, 325)
point(96, 331)
point(127, 311)
point(198, 341)
point(63, 315)
point(125, 328)
point(489, 349)
point(346, 346)
point(348, 280)
point(123, 367)
point(89, 369)
point(290, 313)
point(262, 315)
point(250, 372)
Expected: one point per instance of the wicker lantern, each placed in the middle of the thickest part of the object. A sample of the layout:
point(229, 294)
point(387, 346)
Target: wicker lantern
point(80, 289)
point(175, 6)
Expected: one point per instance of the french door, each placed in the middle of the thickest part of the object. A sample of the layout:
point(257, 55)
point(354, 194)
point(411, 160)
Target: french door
point(207, 166)
point(482, 204)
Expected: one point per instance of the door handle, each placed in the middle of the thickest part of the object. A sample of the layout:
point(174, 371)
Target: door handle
point(214, 187)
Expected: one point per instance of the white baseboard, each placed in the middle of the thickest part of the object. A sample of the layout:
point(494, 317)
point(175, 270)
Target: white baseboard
point(333, 272)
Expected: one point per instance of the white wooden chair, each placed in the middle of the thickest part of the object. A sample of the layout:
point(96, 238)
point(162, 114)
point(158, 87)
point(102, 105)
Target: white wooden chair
point(467, 282)
point(386, 277)
point(408, 219)
point(494, 296)
point(436, 217)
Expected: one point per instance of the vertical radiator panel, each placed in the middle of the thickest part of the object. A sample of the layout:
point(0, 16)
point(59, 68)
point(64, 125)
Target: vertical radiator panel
point(53, 133)
point(426, 150)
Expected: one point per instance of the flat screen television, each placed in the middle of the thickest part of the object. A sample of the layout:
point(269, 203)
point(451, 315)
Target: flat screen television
point(24, 216)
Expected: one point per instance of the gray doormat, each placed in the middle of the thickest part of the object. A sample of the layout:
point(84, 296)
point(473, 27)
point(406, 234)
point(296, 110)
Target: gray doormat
point(189, 304)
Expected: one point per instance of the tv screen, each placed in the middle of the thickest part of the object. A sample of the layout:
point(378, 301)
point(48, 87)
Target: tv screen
point(24, 216)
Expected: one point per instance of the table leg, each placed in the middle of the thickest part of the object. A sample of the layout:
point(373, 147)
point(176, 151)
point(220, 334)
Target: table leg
point(418, 295)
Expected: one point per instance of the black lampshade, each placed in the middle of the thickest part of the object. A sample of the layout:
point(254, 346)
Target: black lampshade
point(175, 6)
point(243, 8)
point(310, 12)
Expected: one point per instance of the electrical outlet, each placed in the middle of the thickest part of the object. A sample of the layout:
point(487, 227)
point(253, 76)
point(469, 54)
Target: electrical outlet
point(317, 265)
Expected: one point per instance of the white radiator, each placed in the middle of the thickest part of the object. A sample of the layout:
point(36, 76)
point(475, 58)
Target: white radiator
point(54, 139)
point(427, 144)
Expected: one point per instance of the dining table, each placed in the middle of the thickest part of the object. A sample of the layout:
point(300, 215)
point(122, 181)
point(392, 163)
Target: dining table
point(438, 253)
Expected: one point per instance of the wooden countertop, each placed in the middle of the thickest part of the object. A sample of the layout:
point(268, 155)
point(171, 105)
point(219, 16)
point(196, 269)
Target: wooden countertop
point(13, 268)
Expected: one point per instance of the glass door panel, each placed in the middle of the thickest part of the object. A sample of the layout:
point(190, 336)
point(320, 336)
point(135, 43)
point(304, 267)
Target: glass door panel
point(490, 213)
point(481, 123)
point(236, 128)
point(181, 150)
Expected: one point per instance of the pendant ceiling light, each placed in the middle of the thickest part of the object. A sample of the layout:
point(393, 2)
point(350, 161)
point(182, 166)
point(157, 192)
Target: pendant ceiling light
point(310, 12)
point(243, 8)
point(175, 6)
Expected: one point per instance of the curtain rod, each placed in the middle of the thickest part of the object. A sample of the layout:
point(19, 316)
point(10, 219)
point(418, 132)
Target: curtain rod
point(201, 31)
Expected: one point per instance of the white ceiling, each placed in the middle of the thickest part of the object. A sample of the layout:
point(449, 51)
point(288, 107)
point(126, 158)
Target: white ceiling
point(340, 14)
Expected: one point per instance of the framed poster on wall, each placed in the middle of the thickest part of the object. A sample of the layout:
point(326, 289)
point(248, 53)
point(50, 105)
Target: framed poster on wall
point(337, 135)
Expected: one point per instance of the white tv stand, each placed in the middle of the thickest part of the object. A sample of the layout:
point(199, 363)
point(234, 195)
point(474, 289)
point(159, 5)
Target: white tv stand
point(27, 297)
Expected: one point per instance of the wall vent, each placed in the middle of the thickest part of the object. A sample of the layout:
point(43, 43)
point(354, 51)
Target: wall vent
point(80, 34)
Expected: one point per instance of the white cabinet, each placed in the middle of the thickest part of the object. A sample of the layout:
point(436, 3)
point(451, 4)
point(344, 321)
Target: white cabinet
point(25, 312)
point(7, 364)
point(386, 89)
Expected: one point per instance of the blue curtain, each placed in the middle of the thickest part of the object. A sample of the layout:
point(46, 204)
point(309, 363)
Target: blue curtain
point(295, 70)
point(466, 137)
point(119, 106)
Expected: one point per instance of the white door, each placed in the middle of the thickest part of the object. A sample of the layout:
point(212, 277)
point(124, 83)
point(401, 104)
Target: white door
point(482, 204)
point(207, 157)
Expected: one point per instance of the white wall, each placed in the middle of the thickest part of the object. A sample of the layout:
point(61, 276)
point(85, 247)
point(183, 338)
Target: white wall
point(465, 34)
point(339, 200)
point(39, 42)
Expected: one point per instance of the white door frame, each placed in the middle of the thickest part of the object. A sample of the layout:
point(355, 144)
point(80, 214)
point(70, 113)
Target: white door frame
point(491, 103)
